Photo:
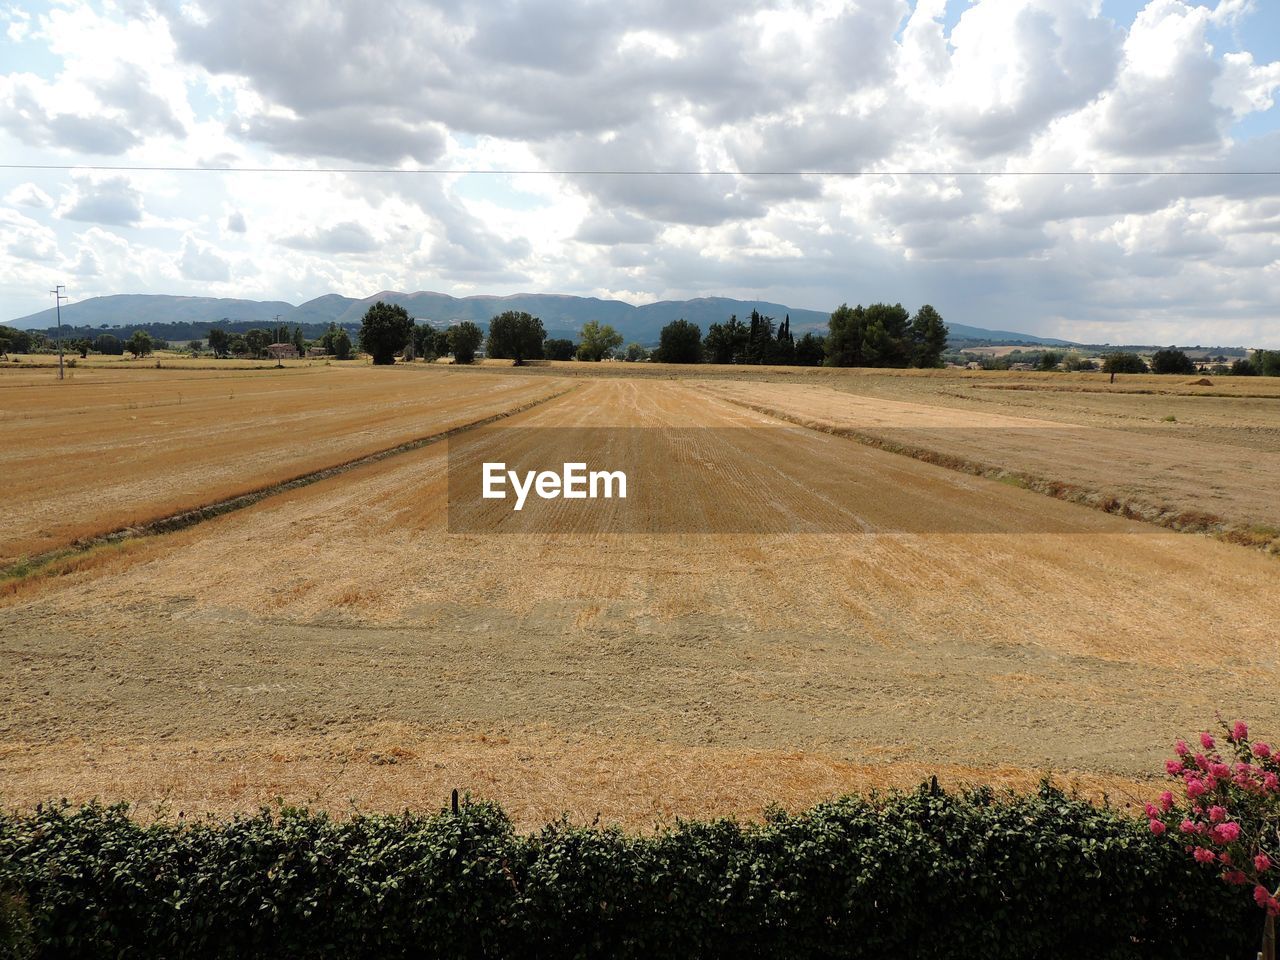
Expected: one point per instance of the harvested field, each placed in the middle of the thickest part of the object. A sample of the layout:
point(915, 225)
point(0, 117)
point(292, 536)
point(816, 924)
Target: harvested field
point(967, 626)
point(107, 450)
point(1169, 476)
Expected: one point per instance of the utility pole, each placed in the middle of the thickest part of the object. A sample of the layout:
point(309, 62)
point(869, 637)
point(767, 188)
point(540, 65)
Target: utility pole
point(59, 296)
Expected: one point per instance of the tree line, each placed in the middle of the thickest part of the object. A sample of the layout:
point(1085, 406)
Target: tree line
point(878, 335)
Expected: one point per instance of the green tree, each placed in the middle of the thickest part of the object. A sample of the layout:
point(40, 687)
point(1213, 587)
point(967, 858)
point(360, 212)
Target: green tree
point(726, 342)
point(384, 331)
point(810, 351)
point(558, 349)
point(846, 330)
point(637, 353)
point(139, 344)
point(760, 342)
point(1077, 362)
point(679, 342)
point(83, 346)
point(464, 340)
point(1171, 361)
point(299, 344)
point(1121, 362)
point(256, 341)
point(219, 342)
point(195, 346)
point(1049, 360)
point(19, 340)
point(1243, 368)
point(341, 344)
point(597, 340)
point(783, 349)
point(928, 337)
point(516, 336)
point(1267, 362)
point(424, 341)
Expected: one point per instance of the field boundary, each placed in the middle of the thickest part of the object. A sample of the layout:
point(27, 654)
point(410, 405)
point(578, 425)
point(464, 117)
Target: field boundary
point(33, 566)
point(1256, 536)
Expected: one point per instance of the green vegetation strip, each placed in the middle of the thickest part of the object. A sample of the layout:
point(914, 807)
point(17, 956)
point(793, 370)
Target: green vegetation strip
point(56, 560)
point(1259, 536)
point(924, 874)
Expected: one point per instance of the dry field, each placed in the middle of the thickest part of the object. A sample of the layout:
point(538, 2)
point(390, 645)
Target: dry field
point(107, 449)
point(1216, 467)
point(338, 644)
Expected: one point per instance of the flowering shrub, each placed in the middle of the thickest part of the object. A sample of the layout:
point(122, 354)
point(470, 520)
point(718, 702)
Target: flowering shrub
point(1228, 814)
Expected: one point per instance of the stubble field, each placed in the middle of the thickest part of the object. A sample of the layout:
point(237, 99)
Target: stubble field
point(343, 643)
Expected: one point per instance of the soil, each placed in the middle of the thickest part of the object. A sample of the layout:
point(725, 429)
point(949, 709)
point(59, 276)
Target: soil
point(948, 623)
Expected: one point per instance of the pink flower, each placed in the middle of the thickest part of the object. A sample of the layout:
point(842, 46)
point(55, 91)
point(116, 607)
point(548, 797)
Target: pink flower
point(1173, 767)
point(1271, 781)
point(1217, 814)
point(1166, 801)
point(1188, 826)
point(1261, 895)
point(1240, 731)
point(1157, 826)
point(1226, 832)
point(1262, 750)
point(1220, 770)
point(1181, 748)
point(1201, 761)
point(1195, 788)
point(1262, 863)
point(1236, 877)
point(1206, 741)
point(1204, 855)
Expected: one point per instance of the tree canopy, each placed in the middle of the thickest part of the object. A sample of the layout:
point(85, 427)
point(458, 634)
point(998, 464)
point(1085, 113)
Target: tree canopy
point(1171, 361)
point(597, 340)
point(1121, 362)
point(384, 331)
point(885, 335)
point(558, 349)
point(140, 343)
point(679, 342)
point(517, 336)
point(464, 339)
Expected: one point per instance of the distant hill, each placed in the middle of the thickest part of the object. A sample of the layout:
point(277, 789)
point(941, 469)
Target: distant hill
point(183, 318)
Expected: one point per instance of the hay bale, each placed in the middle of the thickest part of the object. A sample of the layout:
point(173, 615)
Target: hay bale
point(1202, 382)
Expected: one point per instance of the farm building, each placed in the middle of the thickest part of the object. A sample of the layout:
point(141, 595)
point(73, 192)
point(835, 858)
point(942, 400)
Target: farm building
point(282, 351)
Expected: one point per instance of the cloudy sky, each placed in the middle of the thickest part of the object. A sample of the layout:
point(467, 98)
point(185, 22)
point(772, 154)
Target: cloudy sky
point(1071, 95)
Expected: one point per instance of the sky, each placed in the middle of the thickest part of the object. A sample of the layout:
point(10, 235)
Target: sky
point(1098, 170)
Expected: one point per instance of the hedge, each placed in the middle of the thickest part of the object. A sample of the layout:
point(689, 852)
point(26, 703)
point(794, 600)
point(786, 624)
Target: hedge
point(924, 874)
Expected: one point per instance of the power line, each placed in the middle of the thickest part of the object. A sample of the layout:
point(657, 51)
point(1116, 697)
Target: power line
point(445, 171)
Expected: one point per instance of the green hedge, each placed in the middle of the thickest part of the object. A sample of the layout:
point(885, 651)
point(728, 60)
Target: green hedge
point(926, 874)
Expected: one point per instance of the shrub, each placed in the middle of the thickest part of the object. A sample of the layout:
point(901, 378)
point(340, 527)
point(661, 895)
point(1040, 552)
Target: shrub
point(925, 874)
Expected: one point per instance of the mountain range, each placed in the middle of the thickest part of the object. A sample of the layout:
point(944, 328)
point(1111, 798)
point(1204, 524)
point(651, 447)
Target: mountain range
point(561, 315)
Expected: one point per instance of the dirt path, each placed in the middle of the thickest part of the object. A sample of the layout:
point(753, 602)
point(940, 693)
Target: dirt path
point(947, 621)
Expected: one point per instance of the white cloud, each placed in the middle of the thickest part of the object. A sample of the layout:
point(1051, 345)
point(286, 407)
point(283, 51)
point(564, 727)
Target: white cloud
point(1034, 86)
point(200, 262)
point(28, 195)
point(110, 200)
